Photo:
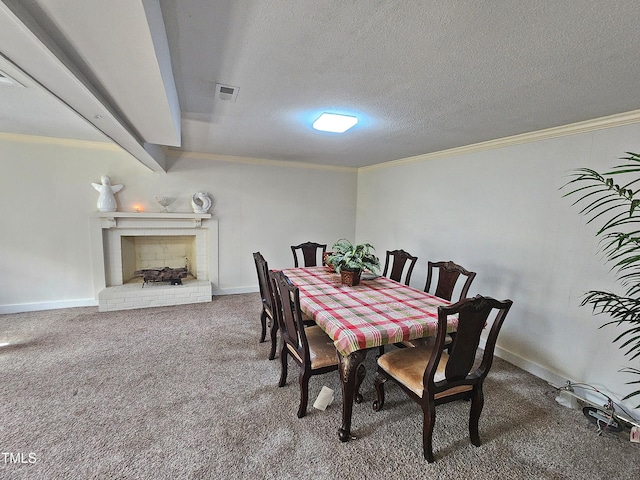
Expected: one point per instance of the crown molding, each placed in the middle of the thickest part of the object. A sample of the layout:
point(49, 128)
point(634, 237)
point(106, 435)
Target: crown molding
point(255, 161)
point(64, 142)
point(610, 121)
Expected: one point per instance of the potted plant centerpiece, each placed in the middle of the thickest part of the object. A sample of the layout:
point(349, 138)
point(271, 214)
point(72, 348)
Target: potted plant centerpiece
point(351, 260)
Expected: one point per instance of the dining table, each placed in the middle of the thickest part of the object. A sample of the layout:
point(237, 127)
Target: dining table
point(376, 312)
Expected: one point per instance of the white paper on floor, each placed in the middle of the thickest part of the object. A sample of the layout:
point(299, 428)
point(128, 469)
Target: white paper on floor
point(325, 397)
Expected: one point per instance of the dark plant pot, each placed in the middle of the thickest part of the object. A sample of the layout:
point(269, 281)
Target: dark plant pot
point(350, 278)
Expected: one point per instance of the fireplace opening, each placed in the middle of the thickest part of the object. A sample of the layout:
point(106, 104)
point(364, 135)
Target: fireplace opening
point(157, 252)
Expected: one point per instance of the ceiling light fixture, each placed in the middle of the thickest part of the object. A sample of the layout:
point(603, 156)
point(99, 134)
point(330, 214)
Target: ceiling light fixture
point(333, 122)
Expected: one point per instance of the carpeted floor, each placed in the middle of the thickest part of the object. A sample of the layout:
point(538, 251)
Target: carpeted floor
point(187, 392)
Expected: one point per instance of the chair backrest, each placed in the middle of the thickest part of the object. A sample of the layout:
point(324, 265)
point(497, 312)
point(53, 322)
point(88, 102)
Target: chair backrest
point(398, 259)
point(263, 280)
point(309, 253)
point(448, 275)
point(473, 315)
point(287, 300)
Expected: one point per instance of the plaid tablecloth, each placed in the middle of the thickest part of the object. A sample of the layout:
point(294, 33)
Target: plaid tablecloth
point(376, 312)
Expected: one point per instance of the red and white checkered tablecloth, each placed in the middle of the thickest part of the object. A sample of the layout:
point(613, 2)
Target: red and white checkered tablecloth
point(376, 312)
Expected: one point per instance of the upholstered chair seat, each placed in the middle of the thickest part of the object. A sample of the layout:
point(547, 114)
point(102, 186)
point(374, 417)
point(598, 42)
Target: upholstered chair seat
point(268, 311)
point(407, 366)
point(322, 351)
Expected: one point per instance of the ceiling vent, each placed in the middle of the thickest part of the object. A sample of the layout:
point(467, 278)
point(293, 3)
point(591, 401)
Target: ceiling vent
point(226, 92)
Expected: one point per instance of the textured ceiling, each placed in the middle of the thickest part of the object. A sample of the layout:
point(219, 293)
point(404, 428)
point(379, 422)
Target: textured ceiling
point(422, 76)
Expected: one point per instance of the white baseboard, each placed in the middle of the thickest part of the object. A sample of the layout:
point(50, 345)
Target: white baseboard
point(556, 380)
point(533, 368)
point(34, 307)
point(233, 291)
point(92, 302)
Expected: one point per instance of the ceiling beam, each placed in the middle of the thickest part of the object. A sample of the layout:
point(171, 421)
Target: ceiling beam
point(27, 45)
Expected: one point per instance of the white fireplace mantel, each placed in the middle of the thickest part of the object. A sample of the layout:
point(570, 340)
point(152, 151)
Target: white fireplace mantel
point(107, 226)
point(131, 219)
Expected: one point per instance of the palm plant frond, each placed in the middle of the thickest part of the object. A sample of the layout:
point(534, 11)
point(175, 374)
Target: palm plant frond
point(633, 371)
point(616, 209)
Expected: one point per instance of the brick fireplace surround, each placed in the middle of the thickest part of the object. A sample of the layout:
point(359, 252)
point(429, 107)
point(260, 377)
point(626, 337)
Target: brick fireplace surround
point(107, 233)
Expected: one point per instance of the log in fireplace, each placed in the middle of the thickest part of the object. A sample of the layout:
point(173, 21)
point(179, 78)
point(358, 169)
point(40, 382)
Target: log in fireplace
point(167, 274)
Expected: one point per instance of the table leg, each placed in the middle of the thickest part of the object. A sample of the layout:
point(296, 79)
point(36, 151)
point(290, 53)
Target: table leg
point(349, 368)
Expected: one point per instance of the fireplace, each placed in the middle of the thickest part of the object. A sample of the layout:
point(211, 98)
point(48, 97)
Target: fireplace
point(157, 251)
point(123, 243)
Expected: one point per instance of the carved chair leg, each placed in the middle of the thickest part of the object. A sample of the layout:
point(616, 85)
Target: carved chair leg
point(304, 394)
point(283, 365)
point(429, 412)
point(263, 323)
point(274, 339)
point(477, 402)
point(362, 372)
point(379, 386)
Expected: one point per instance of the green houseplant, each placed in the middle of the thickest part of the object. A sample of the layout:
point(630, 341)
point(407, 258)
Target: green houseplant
point(351, 260)
point(615, 206)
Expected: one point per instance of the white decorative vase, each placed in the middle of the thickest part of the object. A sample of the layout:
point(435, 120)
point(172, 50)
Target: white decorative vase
point(200, 202)
point(164, 202)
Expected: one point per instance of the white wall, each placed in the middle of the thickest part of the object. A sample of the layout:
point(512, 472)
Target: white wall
point(46, 200)
point(500, 213)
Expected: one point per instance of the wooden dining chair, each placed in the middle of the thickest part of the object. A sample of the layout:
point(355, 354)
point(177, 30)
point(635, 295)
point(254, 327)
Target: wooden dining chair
point(397, 260)
point(309, 251)
point(448, 274)
point(430, 376)
point(310, 347)
point(267, 316)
